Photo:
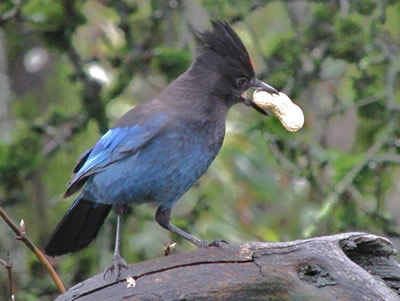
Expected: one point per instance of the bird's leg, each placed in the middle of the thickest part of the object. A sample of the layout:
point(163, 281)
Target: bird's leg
point(118, 262)
point(163, 217)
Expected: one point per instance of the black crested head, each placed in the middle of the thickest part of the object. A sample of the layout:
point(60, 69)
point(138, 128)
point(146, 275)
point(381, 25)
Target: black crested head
point(224, 63)
point(222, 50)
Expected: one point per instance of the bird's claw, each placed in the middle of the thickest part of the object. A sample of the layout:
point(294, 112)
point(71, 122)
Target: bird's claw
point(215, 243)
point(117, 264)
point(218, 242)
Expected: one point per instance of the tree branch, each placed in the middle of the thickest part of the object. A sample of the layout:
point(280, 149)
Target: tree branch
point(21, 235)
point(324, 268)
point(389, 157)
point(8, 266)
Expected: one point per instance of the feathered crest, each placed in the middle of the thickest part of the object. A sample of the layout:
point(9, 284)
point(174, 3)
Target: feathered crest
point(223, 41)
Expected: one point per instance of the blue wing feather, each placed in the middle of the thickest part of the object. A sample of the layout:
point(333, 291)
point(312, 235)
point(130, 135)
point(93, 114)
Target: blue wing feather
point(116, 144)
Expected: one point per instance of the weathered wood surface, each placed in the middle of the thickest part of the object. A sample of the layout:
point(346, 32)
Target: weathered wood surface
point(349, 266)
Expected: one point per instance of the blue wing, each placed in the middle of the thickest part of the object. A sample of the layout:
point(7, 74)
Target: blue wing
point(117, 144)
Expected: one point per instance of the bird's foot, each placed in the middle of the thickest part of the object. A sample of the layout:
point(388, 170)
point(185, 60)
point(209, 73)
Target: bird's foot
point(218, 242)
point(215, 243)
point(117, 264)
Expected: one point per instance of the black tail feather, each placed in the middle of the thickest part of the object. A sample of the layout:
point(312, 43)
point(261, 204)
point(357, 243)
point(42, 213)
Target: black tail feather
point(78, 227)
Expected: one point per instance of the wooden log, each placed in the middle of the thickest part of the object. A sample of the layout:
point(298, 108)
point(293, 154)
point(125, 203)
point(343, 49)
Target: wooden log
point(348, 266)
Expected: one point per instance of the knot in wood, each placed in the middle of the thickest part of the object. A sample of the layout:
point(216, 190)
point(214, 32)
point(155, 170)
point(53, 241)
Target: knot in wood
point(316, 275)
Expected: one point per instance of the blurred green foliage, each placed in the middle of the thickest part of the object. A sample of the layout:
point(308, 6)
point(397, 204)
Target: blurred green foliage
point(172, 62)
point(339, 60)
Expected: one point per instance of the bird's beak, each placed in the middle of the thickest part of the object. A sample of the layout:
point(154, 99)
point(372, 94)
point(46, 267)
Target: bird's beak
point(258, 85)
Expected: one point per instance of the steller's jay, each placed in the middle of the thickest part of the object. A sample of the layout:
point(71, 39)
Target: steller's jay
point(160, 148)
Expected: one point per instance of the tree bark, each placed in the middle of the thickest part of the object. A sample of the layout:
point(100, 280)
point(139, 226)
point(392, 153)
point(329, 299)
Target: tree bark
point(348, 266)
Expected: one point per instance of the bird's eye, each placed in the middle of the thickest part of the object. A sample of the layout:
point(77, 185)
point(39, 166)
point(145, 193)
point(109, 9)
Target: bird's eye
point(241, 82)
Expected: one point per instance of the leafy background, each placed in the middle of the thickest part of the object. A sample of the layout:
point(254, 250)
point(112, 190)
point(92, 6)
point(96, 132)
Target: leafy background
point(69, 69)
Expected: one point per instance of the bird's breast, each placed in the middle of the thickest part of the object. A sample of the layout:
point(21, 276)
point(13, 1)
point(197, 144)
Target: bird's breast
point(164, 169)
